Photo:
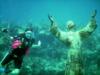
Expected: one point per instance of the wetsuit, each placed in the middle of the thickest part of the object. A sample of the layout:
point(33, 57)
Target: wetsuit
point(16, 54)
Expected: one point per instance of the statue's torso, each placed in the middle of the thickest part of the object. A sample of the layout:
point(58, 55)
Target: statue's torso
point(71, 39)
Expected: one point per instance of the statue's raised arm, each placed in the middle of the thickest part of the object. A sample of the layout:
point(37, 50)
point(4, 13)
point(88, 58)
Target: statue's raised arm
point(91, 26)
point(54, 28)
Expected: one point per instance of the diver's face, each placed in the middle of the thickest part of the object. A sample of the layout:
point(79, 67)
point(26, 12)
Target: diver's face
point(28, 34)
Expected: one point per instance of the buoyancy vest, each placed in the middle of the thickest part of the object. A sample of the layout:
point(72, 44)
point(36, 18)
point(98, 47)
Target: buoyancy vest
point(16, 43)
point(22, 44)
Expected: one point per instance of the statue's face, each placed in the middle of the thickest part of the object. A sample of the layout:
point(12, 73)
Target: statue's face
point(70, 25)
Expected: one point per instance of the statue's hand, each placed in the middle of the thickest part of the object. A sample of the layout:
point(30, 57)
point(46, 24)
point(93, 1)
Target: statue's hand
point(50, 18)
point(94, 14)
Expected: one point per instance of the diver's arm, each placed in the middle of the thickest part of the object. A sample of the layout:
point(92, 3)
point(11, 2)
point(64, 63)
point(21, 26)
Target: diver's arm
point(37, 45)
point(91, 26)
point(53, 29)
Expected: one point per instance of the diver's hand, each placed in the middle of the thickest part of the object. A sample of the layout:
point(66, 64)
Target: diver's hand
point(39, 43)
point(94, 14)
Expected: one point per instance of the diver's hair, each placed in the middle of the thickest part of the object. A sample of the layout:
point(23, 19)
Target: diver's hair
point(29, 29)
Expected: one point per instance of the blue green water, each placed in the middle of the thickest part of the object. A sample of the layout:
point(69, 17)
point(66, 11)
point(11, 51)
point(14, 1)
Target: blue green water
point(23, 11)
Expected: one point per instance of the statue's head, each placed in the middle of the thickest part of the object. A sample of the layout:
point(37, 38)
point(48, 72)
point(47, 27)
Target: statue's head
point(70, 25)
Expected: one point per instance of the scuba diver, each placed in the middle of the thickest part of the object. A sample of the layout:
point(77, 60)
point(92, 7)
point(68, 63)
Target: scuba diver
point(73, 40)
point(20, 46)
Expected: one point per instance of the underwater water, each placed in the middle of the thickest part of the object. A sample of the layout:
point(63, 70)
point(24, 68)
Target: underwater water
point(51, 57)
